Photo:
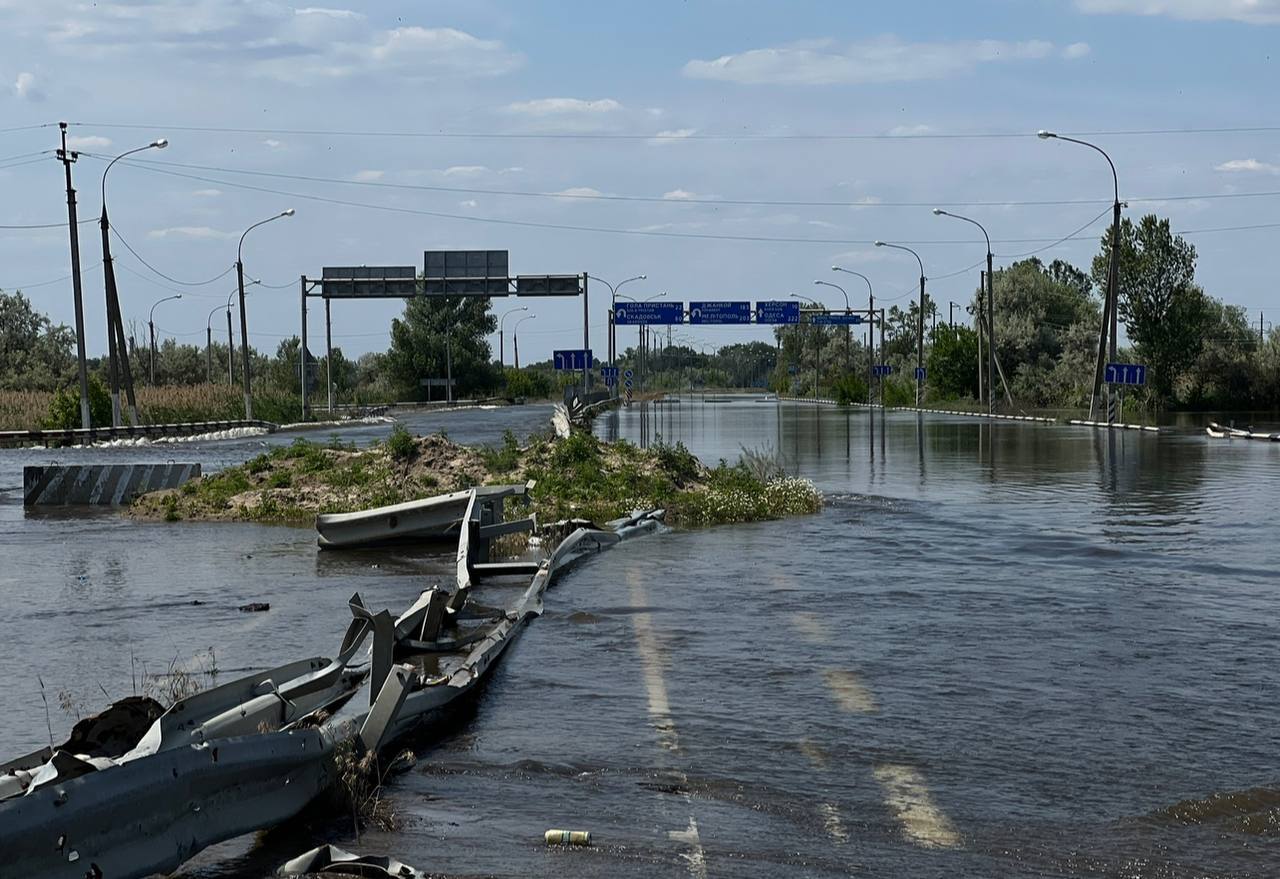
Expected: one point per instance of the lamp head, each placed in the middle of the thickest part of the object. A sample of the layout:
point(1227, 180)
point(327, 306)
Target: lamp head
point(879, 244)
point(1045, 135)
point(939, 212)
point(287, 213)
point(835, 268)
point(161, 143)
point(644, 277)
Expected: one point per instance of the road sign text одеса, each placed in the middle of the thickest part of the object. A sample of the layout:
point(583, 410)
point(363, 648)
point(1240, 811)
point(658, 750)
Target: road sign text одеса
point(777, 312)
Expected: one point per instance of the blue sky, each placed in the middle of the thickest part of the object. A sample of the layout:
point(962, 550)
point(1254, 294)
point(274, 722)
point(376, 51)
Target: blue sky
point(703, 74)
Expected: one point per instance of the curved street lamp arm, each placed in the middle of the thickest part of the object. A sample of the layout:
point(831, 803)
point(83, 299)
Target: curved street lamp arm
point(152, 314)
point(907, 249)
point(847, 307)
point(1114, 176)
point(870, 289)
point(942, 213)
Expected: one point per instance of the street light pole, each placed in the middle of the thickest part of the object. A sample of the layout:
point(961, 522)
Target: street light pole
point(117, 353)
point(502, 360)
point(642, 333)
point(613, 301)
point(244, 321)
point(515, 337)
point(871, 315)
point(208, 344)
point(920, 340)
point(847, 310)
point(151, 327)
point(991, 314)
point(1110, 307)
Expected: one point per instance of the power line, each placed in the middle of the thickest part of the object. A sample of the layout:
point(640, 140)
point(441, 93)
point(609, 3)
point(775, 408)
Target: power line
point(24, 287)
point(1061, 240)
point(27, 127)
point(169, 278)
point(672, 136)
point(565, 226)
point(655, 199)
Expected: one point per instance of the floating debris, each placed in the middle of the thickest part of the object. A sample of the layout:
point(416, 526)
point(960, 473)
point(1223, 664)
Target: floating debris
point(329, 860)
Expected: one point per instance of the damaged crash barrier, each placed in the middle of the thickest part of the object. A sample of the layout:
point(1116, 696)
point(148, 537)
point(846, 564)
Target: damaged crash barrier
point(140, 789)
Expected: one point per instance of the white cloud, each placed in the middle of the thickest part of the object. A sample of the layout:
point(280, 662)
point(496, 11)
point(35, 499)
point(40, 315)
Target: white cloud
point(557, 106)
point(268, 39)
point(866, 201)
point(194, 232)
point(88, 142)
point(465, 171)
point(272, 143)
point(1076, 50)
point(909, 130)
point(1248, 166)
point(579, 192)
point(207, 193)
point(1247, 11)
point(887, 59)
point(469, 203)
point(25, 88)
point(368, 175)
point(676, 135)
point(679, 195)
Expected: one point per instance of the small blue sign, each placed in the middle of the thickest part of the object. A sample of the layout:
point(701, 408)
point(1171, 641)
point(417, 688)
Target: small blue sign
point(882, 369)
point(628, 374)
point(608, 372)
point(647, 313)
point(719, 312)
point(1126, 374)
point(835, 318)
point(574, 358)
point(921, 372)
point(777, 312)
point(627, 383)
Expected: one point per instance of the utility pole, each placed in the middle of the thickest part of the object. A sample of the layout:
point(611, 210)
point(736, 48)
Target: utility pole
point(980, 324)
point(302, 351)
point(67, 157)
point(586, 336)
point(231, 348)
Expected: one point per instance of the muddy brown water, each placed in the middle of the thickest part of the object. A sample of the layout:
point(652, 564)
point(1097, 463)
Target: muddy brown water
point(1000, 650)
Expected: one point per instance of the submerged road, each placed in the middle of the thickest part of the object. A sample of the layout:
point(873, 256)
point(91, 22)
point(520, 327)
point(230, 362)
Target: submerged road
point(1001, 650)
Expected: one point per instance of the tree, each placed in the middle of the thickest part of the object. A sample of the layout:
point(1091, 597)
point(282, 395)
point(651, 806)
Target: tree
point(953, 362)
point(1163, 310)
point(418, 343)
point(35, 353)
point(1223, 375)
point(1046, 331)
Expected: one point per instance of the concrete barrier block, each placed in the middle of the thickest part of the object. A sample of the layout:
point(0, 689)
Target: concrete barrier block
point(99, 484)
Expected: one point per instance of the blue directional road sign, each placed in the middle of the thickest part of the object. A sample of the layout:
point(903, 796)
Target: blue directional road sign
point(921, 372)
point(574, 358)
point(777, 312)
point(1126, 374)
point(608, 372)
point(719, 312)
point(647, 313)
point(835, 318)
point(882, 369)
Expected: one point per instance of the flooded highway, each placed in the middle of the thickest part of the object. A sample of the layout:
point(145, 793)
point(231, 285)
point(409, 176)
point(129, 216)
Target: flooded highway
point(1000, 650)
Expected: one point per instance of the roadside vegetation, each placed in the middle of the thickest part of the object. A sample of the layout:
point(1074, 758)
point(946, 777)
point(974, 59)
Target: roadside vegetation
point(577, 477)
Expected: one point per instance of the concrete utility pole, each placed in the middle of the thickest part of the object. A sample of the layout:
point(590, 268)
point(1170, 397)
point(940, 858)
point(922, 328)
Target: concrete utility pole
point(208, 344)
point(920, 336)
point(116, 348)
point(244, 322)
point(67, 157)
point(1110, 307)
point(515, 336)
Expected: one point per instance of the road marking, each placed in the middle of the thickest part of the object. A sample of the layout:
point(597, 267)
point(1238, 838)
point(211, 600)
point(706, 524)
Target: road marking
point(911, 803)
point(660, 715)
point(812, 627)
point(831, 821)
point(849, 691)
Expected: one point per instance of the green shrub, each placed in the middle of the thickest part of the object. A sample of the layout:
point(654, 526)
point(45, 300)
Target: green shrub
point(64, 408)
point(400, 443)
point(504, 458)
point(849, 388)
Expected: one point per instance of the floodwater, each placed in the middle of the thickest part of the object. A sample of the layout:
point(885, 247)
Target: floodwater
point(1000, 650)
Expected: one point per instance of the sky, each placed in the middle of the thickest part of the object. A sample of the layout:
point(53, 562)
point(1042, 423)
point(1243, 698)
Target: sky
point(727, 149)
